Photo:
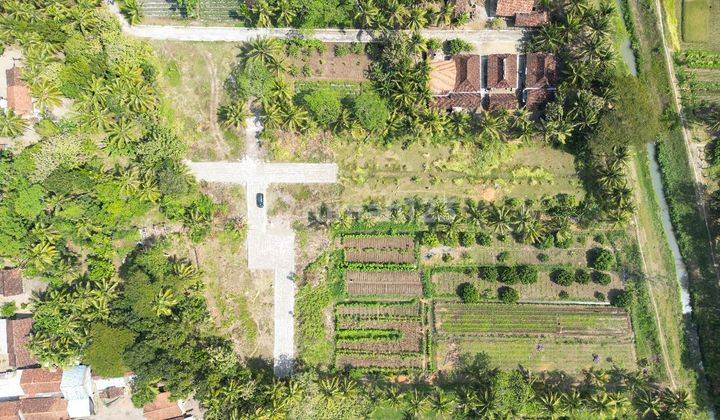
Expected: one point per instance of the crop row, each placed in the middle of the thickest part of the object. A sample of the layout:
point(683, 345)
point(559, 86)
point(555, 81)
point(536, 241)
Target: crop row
point(387, 256)
point(376, 360)
point(699, 59)
point(363, 241)
point(399, 283)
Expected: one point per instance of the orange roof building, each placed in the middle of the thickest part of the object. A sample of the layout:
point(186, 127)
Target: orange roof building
point(162, 408)
point(509, 8)
point(18, 93)
point(502, 71)
point(461, 74)
point(18, 336)
point(41, 382)
point(34, 409)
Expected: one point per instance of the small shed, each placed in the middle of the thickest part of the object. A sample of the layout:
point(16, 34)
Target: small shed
point(76, 383)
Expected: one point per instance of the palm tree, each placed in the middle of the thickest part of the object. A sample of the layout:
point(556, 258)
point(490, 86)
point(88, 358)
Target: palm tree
point(132, 11)
point(396, 13)
point(329, 388)
point(164, 302)
point(139, 98)
point(649, 404)
point(551, 402)
point(11, 124)
point(523, 125)
point(263, 14)
point(272, 116)
point(460, 123)
point(286, 13)
point(438, 210)
point(122, 134)
point(678, 402)
point(477, 212)
point(368, 13)
point(46, 93)
point(261, 50)
point(415, 403)
point(558, 129)
point(528, 225)
point(572, 402)
point(493, 127)
point(500, 219)
point(41, 255)
point(295, 118)
point(234, 114)
point(418, 18)
point(323, 217)
point(601, 404)
point(441, 403)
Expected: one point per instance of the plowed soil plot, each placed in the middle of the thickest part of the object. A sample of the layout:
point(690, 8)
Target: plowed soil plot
point(390, 256)
point(378, 360)
point(410, 339)
point(396, 283)
point(528, 319)
point(379, 242)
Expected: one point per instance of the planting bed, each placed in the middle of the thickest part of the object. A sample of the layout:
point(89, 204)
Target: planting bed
point(380, 335)
point(385, 256)
point(570, 355)
point(396, 283)
point(529, 319)
point(379, 242)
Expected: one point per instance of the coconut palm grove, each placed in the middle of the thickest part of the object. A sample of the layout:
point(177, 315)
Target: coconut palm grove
point(343, 209)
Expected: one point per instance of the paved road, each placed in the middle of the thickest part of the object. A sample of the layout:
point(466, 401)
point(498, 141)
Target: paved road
point(486, 41)
point(270, 246)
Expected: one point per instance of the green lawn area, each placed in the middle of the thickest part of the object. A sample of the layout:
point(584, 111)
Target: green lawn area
point(567, 354)
point(696, 20)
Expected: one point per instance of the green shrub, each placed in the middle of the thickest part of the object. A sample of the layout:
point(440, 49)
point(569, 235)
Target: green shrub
point(562, 276)
point(341, 50)
point(457, 46)
point(528, 274)
point(371, 111)
point(466, 239)
point(469, 293)
point(8, 309)
point(508, 295)
point(451, 239)
point(602, 278)
point(483, 239)
point(545, 242)
point(324, 105)
point(582, 276)
point(622, 299)
point(601, 259)
point(488, 273)
point(600, 296)
point(503, 256)
point(542, 257)
point(446, 257)
point(430, 239)
point(507, 275)
point(563, 295)
point(105, 353)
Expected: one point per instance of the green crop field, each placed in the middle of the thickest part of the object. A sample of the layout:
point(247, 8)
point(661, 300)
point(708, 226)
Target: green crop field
point(540, 353)
point(695, 20)
point(562, 320)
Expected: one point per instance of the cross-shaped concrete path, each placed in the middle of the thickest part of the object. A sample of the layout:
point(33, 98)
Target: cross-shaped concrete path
point(270, 246)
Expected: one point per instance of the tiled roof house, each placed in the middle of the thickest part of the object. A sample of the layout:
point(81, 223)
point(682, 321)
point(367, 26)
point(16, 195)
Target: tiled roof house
point(10, 282)
point(41, 382)
point(540, 77)
point(502, 71)
point(496, 101)
point(18, 94)
point(18, 336)
point(163, 409)
point(34, 409)
point(457, 83)
point(523, 11)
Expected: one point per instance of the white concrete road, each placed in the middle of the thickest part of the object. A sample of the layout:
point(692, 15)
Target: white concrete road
point(270, 246)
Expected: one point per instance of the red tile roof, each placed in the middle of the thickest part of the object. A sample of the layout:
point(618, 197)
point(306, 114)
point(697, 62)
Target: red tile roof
point(467, 76)
point(18, 336)
point(502, 71)
point(459, 100)
point(509, 8)
point(541, 70)
point(11, 282)
point(112, 392)
point(44, 409)
point(497, 101)
point(162, 408)
point(9, 410)
point(531, 19)
point(37, 381)
point(536, 99)
point(18, 94)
